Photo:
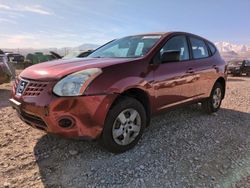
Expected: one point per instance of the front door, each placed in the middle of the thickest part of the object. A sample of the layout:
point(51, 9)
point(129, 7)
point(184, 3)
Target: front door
point(174, 79)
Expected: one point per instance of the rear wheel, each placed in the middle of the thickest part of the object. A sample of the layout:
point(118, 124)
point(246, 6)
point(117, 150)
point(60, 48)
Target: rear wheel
point(124, 125)
point(212, 104)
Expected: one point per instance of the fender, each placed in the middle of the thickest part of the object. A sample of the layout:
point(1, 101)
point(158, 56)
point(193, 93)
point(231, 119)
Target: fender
point(131, 83)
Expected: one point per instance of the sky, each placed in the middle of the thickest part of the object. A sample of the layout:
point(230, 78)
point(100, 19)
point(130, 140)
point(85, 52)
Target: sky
point(69, 23)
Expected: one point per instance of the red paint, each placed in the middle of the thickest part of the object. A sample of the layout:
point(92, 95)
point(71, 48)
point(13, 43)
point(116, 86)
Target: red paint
point(166, 85)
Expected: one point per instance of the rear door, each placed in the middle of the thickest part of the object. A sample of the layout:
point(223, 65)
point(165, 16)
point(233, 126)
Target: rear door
point(204, 66)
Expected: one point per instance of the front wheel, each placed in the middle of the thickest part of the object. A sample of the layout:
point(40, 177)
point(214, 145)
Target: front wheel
point(124, 125)
point(213, 103)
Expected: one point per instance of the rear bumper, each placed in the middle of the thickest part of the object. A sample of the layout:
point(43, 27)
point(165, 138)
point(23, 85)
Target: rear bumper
point(87, 112)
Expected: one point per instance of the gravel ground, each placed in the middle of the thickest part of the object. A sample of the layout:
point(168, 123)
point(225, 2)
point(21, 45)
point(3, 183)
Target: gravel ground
point(181, 148)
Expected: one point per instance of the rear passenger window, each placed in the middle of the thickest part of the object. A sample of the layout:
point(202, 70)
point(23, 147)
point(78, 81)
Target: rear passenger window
point(212, 48)
point(199, 48)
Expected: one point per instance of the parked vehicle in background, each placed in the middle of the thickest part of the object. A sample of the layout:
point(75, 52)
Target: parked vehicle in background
point(77, 54)
point(39, 57)
point(14, 58)
point(73, 54)
point(6, 70)
point(246, 68)
point(112, 94)
point(237, 68)
point(13, 61)
point(55, 55)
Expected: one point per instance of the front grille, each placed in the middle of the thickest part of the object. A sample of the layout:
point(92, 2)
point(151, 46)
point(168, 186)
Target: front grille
point(34, 89)
point(29, 118)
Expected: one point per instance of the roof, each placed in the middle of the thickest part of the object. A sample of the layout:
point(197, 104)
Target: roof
point(168, 33)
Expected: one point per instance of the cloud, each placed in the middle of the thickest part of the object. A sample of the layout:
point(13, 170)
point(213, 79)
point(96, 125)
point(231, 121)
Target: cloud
point(37, 9)
point(5, 7)
point(50, 39)
point(6, 20)
point(19, 39)
point(15, 15)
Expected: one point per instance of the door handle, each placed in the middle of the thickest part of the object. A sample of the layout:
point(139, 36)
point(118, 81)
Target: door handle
point(190, 71)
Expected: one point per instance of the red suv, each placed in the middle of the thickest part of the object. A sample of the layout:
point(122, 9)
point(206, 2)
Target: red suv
point(111, 94)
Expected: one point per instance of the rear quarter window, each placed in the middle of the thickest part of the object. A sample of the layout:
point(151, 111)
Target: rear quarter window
point(212, 48)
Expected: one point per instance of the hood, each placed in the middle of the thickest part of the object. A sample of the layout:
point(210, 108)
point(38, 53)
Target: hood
point(54, 70)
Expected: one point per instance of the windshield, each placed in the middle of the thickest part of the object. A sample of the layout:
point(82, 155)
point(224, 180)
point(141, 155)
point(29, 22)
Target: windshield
point(128, 47)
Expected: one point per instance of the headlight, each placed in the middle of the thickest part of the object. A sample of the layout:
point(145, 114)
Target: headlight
point(76, 83)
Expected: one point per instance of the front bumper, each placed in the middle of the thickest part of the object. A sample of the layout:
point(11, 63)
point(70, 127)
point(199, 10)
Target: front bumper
point(45, 110)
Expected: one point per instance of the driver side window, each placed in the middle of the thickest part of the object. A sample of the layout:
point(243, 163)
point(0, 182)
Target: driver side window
point(179, 45)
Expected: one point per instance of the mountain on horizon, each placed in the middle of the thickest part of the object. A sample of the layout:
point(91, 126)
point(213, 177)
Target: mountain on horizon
point(227, 47)
point(230, 51)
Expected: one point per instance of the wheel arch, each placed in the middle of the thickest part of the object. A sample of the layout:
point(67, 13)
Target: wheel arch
point(139, 94)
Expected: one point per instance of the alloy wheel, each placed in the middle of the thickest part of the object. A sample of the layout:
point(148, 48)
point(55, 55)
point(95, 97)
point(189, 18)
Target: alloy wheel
point(126, 126)
point(217, 96)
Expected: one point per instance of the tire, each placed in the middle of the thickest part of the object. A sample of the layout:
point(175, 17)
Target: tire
point(119, 122)
point(209, 105)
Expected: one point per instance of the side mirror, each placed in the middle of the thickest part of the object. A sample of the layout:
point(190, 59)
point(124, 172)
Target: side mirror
point(170, 56)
